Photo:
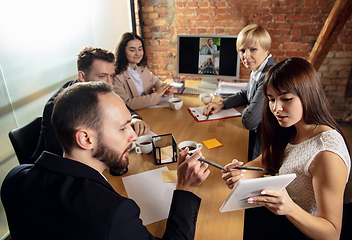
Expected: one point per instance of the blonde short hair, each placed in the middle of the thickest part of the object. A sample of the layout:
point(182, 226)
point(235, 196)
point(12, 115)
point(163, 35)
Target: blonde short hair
point(253, 33)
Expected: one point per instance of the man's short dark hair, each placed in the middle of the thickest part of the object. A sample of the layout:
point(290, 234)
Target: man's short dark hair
point(87, 55)
point(77, 106)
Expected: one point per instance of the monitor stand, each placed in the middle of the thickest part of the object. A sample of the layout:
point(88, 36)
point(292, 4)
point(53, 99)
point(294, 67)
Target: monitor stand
point(210, 83)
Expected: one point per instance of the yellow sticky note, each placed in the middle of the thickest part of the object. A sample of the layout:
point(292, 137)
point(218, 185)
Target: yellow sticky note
point(170, 176)
point(212, 143)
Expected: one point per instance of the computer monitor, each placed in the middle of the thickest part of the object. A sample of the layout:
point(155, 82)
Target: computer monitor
point(210, 57)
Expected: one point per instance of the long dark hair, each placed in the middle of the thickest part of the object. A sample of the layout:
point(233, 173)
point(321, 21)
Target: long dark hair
point(120, 52)
point(296, 76)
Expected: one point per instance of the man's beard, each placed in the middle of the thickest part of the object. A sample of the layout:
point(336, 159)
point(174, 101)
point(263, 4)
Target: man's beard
point(110, 157)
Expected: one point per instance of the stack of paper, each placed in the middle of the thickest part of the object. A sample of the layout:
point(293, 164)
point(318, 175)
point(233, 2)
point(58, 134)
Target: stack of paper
point(151, 194)
point(197, 113)
point(229, 88)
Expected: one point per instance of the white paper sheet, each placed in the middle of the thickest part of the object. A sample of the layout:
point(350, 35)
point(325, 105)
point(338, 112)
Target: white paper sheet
point(151, 194)
point(227, 88)
point(197, 112)
point(164, 102)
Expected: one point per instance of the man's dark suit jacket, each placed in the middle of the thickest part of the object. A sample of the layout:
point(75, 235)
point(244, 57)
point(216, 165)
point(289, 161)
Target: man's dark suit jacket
point(59, 198)
point(252, 115)
point(47, 139)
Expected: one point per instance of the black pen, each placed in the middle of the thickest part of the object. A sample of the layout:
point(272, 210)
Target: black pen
point(224, 169)
point(250, 168)
point(212, 164)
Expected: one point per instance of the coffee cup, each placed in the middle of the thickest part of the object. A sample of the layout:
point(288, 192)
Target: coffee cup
point(144, 144)
point(192, 146)
point(206, 97)
point(175, 103)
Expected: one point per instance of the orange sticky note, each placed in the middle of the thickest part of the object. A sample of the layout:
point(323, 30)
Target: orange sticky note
point(212, 143)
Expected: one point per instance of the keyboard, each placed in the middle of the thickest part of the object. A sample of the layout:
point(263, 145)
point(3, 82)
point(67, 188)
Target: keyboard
point(195, 90)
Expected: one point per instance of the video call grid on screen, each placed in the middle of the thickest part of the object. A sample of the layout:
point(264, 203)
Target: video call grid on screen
point(208, 56)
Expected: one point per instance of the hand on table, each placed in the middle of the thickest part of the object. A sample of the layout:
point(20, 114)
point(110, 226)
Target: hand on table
point(213, 108)
point(279, 202)
point(232, 175)
point(162, 89)
point(139, 126)
point(190, 171)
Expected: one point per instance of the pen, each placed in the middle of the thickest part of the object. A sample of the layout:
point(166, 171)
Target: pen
point(212, 164)
point(209, 113)
point(250, 168)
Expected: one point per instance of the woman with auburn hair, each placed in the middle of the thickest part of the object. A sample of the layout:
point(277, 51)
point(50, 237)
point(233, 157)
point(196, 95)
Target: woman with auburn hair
point(299, 136)
point(133, 82)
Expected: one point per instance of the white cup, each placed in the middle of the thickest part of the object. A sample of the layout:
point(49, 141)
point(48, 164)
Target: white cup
point(144, 144)
point(206, 97)
point(192, 146)
point(175, 103)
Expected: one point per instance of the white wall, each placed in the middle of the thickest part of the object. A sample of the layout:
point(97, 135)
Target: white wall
point(39, 41)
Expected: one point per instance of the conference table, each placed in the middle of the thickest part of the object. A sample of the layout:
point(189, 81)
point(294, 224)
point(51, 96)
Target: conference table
point(211, 224)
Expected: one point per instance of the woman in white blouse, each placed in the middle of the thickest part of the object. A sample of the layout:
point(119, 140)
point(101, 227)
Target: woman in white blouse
point(299, 136)
point(133, 82)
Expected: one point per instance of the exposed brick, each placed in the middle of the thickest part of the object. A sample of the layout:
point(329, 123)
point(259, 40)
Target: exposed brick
point(147, 22)
point(305, 10)
point(203, 4)
point(295, 54)
point(154, 42)
point(280, 18)
point(147, 35)
point(183, 11)
point(343, 54)
point(160, 22)
point(310, 3)
point(192, 18)
point(160, 9)
point(153, 15)
point(147, 9)
point(164, 42)
point(289, 3)
point(224, 17)
point(221, 4)
point(219, 31)
point(192, 4)
point(203, 18)
point(298, 18)
point(291, 23)
point(281, 10)
point(180, 4)
point(296, 32)
point(281, 39)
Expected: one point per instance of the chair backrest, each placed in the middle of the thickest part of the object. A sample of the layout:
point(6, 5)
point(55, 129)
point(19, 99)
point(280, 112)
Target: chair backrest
point(24, 140)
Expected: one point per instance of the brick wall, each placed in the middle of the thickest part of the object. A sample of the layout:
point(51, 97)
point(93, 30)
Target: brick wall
point(294, 26)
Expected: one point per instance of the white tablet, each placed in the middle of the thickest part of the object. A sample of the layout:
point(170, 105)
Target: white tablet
point(244, 189)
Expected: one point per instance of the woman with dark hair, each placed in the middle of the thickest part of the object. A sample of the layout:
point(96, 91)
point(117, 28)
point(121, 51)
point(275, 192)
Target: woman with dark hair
point(299, 136)
point(133, 82)
point(208, 68)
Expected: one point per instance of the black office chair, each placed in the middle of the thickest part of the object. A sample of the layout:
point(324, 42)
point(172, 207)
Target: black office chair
point(24, 140)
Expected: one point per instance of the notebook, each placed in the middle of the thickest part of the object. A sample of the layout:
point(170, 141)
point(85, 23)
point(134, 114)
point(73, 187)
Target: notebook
point(197, 113)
